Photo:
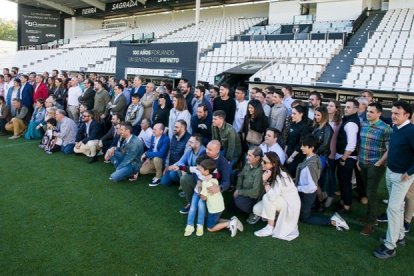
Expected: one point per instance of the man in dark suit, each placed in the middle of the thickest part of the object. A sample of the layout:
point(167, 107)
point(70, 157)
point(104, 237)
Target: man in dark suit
point(118, 102)
point(87, 138)
point(126, 159)
point(138, 87)
point(107, 140)
point(26, 92)
point(88, 96)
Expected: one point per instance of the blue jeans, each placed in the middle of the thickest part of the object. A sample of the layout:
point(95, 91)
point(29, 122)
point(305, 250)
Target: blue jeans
point(197, 205)
point(68, 148)
point(170, 177)
point(124, 172)
point(305, 211)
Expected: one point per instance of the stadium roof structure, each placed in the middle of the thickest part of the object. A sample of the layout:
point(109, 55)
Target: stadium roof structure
point(110, 8)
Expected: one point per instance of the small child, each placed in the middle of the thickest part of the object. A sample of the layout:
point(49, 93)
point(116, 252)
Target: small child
point(50, 143)
point(215, 202)
point(307, 176)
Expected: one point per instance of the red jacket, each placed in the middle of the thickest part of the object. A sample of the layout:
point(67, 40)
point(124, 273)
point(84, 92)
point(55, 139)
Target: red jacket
point(41, 92)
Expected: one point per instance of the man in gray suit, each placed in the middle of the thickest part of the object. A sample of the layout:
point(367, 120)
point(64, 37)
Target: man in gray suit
point(119, 102)
point(127, 159)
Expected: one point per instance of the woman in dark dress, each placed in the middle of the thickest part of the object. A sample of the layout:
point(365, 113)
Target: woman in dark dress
point(298, 129)
point(162, 113)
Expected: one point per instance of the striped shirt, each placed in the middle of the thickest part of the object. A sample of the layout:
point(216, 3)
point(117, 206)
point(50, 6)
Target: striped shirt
point(374, 141)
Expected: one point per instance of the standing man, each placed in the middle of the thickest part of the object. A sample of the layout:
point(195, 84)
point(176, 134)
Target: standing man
point(241, 108)
point(26, 92)
point(314, 102)
point(200, 99)
point(399, 177)
point(148, 99)
point(100, 102)
point(118, 102)
point(374, 142)
point(74, 93)
point(287, 99)
point(88, 96)
point(137, 87)
point(346, 153)
point(224, 102)
point(188, 95)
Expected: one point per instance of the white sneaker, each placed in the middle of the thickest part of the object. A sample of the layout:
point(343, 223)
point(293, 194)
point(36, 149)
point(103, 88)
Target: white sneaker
point(264, 232)
point(233, 227)
point(340, 223)
point(239, 225)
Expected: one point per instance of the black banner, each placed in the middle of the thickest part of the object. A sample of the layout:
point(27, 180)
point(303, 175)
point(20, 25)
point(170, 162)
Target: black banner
point(38, 26)
point(179, 56)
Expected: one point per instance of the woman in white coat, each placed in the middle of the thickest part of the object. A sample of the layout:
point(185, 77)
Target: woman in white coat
point(281, 198)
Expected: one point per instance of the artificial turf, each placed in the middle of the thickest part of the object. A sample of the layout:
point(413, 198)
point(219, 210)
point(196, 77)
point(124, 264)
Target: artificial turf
point(60, 215)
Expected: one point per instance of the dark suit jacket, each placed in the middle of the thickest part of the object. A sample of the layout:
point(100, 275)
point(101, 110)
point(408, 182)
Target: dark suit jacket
point(94, 132)
point(109, 135)
point(120, 106)
point(27, 95)
point(88, 98)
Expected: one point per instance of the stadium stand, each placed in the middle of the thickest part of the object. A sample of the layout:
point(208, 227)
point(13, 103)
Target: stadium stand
point(386, 61)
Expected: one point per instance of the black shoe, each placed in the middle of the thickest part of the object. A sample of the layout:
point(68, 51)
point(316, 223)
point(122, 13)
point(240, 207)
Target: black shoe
point(93, 159)
point(341, 210)
point(382, 218)
point(407, 226)
point(384, 253)
point(400, 242)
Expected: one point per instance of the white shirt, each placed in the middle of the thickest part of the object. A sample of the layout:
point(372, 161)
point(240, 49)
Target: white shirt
point(267, 109)
point(241, 110)
point(156, 140)
point(145, 136)
point(73, 94)
point(311, 113)
point(351, 130)
point(276, 148)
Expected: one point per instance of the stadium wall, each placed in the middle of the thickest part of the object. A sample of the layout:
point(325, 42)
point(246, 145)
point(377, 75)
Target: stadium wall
point(283, 12)
point(81, 24)
point(401, 4)
point(350, 10)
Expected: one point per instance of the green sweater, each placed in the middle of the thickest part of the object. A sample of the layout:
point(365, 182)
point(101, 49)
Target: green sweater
point(230, 141)
point(249, 181)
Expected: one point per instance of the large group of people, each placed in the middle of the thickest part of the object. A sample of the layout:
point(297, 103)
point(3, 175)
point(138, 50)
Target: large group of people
point(281, 158)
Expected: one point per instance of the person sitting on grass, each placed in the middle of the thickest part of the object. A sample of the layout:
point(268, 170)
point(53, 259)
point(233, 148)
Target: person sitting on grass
point(307, 176)
point(175, 171)
point(87, 138)
point(249, 185)
point(17, 124)
point(34, 128)
point(116, 144)
point(50, 142)
point(154, 158)
point(280, 204)
point(215, 202)
point(126, 160)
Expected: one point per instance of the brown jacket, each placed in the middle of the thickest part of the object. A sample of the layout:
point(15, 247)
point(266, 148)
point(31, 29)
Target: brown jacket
point(5, 113)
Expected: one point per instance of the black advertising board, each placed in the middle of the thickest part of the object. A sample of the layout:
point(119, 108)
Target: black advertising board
point(179, 56)
point(38, 26)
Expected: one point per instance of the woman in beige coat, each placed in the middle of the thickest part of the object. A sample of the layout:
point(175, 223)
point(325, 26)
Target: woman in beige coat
point(280, 204)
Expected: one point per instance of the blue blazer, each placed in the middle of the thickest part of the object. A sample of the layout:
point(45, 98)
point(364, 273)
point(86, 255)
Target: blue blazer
point(162, 148)
point(27, 95)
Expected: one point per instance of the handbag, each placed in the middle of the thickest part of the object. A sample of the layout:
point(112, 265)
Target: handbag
point(254, 137)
